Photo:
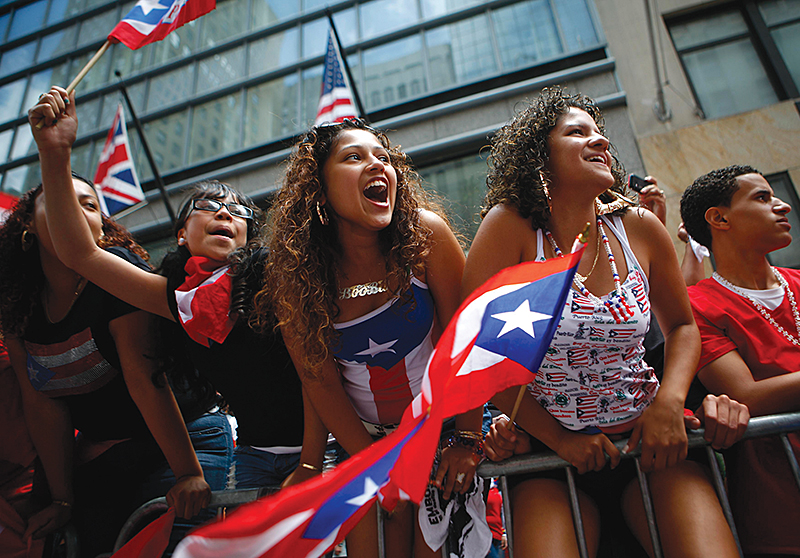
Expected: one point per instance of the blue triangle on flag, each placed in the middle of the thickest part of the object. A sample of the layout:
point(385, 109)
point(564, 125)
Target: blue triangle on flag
point(125, 175)
point(114, 206)
point(118, 131)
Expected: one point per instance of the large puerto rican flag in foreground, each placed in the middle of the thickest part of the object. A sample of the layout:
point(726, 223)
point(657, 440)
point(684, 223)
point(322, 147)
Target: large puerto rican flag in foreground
point(116, 180)
point(336, 99)
point(152, 20)
point(496, 340)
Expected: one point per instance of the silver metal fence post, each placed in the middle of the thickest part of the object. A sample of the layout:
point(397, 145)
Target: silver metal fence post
point(381, 534)
point(503, 482)
point(787, 446)
point(647, 501)
point(722, 495)
point(577, 518)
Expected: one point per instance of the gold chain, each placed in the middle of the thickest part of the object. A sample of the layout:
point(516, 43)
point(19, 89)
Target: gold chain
point(365, 289)
point(78, 289)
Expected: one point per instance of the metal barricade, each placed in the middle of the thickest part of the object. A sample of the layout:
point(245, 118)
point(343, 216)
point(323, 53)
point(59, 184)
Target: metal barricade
point(759, 426)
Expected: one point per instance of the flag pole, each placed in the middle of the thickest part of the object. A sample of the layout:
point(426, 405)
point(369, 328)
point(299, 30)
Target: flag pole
point(146, 147)
point(356, 97)
point(71, 87)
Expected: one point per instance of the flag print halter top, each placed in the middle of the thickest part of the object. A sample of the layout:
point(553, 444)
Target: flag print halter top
point(383, 354)
point(594, 373)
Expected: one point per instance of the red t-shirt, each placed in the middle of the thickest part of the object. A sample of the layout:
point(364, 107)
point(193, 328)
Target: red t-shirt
point(764, 496)
point(494, 507)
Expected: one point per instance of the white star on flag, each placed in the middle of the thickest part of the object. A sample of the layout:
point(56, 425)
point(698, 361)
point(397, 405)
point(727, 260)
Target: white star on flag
point(376, 348)
point(370, 488)
point(521, 318)
point(148, 6)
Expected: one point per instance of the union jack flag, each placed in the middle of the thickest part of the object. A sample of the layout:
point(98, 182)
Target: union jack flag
point(336, 100)
point(116, 181)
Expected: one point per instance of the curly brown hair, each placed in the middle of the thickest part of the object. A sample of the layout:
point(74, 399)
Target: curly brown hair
point(300, 287)
point(21, 275)
point(521, 149)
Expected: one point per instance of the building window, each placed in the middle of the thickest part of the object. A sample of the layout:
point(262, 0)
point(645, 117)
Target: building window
point(740, 56)
point(784, 189)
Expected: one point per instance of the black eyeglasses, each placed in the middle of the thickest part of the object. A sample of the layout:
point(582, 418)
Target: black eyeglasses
point(235, 209)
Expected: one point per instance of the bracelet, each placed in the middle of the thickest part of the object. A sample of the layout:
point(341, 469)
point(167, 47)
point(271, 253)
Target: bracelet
point(476, 446)
point(309, 466)
point(62, 503)
point(470, 434)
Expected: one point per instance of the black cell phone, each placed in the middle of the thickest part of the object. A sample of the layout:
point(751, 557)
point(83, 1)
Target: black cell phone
point(636, 183)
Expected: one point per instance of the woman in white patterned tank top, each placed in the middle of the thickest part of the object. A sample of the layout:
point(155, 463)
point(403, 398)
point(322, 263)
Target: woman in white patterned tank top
point(551, 172)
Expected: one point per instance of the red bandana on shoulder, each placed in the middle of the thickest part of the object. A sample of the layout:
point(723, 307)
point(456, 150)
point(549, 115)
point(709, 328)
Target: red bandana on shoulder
point(204, 300)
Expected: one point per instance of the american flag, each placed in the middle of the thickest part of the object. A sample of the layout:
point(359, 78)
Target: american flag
point(116, 180)
point(336, 100)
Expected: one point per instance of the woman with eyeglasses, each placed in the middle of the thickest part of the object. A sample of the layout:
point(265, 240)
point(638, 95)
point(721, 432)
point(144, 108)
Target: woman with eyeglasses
point(363, 276)
point(206, 286)
point(82, 360)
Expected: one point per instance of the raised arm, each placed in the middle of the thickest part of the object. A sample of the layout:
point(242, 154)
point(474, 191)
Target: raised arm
point(70, 232)
point(132, 335)
point(50, 427)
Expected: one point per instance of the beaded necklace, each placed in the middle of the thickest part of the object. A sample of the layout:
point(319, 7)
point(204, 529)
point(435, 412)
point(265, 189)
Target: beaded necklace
point(615, 302)
point(764, 312)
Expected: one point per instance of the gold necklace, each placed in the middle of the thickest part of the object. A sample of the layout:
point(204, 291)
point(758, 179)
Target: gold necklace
point(365, 289)
point(583, 278)
point(78, 289)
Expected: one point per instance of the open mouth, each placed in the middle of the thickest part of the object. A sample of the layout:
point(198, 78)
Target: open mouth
point(377, 191)
point(223, 232)
point(598, 159)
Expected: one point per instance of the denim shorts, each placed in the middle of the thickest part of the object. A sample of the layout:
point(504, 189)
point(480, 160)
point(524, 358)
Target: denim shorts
point(256, 468)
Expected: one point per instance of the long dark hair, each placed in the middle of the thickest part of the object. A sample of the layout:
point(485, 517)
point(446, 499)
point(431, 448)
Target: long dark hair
point(21, 276)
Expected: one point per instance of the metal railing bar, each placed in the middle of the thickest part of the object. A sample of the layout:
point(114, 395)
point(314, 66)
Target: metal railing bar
point(577, 518)
point(381, 534)
point(647, 501)
point(787, 447)
point(722, 495)
point(503, 484)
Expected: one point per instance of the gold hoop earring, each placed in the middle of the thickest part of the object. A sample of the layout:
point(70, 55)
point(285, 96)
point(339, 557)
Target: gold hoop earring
point(27, 240)
point(323, 215)
point(546, 191)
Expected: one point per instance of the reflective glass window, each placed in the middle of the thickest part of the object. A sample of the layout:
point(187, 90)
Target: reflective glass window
point(56, 44)
point(382, 16)
point(19, 180)
point(576, 23)
point(315, 33)
point(267, 12)
point(220, 69)
point(708, 30)
point(23, 142)
point(779, 11)
point(79, 159)
point(99, 75)
point(275, 51)
point(462, 184)
point(27, 19)
point(460, 52)
point(312, 88)
point(526, 33)
point(4, 19)
point(216, 128)
point(224, 23)
point(171, 88)
point(89, 115)
point(97, 28)
point(11, 99)
point(62, 9)
point(41, 82)
point(388, 66)
point(130, 62)
point(162, 136)
point(178, 44)
point(17, 59)
point(729, 78)
point(5, 143)
point(271, 110)
point(787, 39)
point(436, 8)
point(110, 103)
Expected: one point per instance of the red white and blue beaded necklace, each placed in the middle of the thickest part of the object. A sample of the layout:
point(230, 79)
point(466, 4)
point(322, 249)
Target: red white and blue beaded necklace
point(615, 301)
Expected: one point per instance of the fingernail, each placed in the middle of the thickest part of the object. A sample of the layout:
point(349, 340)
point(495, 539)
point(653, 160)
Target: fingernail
point(66, 100)
point(55, 121)
point(626, 449)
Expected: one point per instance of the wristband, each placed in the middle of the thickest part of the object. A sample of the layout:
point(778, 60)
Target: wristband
point(309, 466)
point(62, 503)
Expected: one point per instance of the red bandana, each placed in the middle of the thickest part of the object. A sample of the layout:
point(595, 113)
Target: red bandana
point(203, 301)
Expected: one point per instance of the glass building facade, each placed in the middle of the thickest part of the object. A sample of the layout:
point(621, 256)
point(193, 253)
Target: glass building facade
point(240, 82)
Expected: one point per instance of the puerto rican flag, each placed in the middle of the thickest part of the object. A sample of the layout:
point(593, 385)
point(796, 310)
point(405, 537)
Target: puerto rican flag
point(152, 20)
point(336, 100)
point(496, 340)
point(6, 203)
point(116, 180)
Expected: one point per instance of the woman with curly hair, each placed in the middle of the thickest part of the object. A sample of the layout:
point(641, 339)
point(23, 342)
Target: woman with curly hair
point(82, 359)
point(361, 277)
point(551, 172)
point(206, 286)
